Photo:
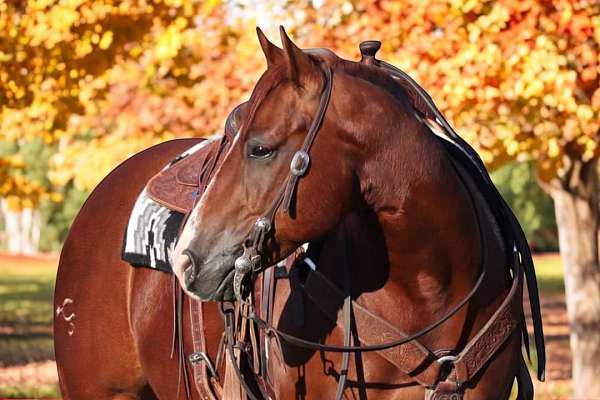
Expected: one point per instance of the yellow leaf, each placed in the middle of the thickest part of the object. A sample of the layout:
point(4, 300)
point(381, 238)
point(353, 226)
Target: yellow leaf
point(169, 44)
point(553, 148)
point(105, 42)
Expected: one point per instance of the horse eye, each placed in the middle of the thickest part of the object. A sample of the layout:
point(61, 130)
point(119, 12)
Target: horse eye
point(259, 151)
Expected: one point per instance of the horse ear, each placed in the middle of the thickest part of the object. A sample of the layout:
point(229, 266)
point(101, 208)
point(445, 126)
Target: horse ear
point(272, 53)
point(299, 63)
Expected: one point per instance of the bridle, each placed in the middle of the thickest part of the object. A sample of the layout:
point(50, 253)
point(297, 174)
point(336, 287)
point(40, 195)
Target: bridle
point(250, 260)
point(249, 263)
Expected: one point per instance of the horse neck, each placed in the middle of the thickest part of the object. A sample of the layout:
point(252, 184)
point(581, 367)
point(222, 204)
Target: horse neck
point(429, 230)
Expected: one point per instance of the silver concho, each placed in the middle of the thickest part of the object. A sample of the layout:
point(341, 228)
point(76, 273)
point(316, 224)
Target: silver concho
point(243, 265)
point(299, 163)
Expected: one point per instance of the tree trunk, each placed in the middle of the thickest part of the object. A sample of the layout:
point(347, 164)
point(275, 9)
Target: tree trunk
point(576, 206)
point(22, 229)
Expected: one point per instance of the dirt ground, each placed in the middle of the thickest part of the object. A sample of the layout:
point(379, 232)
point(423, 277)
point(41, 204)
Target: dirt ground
point(34, 374)
point(558, 354)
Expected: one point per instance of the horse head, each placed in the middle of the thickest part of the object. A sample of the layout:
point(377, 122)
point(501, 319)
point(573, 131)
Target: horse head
point(274, 125)
point(320, 137)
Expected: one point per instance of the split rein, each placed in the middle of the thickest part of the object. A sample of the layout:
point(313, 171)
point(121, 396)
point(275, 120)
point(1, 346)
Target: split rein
point(309, 345)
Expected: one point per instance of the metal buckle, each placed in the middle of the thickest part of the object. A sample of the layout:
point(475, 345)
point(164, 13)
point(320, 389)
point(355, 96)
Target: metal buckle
point(299, 163)
point(263, 224)
point(445, 359)
point(198, 357)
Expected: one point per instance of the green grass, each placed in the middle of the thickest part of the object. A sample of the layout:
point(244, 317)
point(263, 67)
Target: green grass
point(41, 392)
point(26, 289)
point(549, 271)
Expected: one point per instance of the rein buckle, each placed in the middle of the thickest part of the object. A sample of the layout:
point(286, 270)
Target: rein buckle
point(200, 356)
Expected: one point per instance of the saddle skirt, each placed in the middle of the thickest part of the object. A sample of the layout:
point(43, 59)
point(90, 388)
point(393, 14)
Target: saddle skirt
point(183, 181)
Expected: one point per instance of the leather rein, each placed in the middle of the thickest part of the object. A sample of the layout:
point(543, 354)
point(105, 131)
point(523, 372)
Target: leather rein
point(249, 265)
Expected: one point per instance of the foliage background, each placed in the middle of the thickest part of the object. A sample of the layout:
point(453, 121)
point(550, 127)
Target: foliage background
point(86, 84)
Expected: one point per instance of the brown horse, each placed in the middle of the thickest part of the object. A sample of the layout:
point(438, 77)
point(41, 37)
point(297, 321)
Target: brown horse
point(113, 325)
point(409, 262)
point(423, 236)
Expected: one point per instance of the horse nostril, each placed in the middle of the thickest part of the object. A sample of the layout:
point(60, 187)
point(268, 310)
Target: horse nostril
point(190, 268)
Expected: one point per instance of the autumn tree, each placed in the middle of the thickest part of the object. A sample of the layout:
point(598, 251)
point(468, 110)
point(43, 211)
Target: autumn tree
point(60, 59)
point(153, 99)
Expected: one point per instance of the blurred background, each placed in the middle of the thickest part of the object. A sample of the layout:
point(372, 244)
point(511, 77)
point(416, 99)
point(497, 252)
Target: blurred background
point(85, 84)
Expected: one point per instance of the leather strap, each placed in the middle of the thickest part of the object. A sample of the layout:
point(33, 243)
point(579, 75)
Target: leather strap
point(310, 136)
point(347, 312)
point(445, 390)
point(413, 356)
point(267, 298)
point(408, 357)
point(230, 338)
point(199, 368)
point(495, 332)
point(376, 347)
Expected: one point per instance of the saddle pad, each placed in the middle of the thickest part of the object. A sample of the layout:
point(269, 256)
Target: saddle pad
point(152, 229)
point(151, 234)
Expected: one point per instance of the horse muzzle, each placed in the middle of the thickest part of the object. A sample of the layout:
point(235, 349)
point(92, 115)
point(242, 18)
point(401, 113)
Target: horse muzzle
point(209, 280)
